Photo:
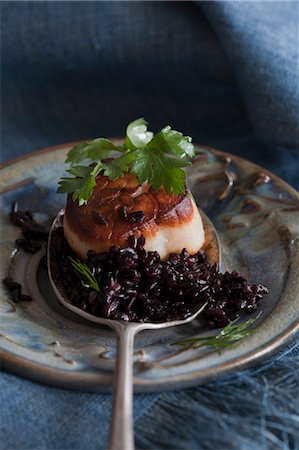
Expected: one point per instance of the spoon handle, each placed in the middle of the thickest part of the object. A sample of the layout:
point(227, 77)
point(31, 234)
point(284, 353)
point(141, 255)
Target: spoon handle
point(122, 431)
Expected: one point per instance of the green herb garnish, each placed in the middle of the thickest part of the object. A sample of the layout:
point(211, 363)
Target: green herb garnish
point(157, 159)
point(91, 282)
point(227, 337)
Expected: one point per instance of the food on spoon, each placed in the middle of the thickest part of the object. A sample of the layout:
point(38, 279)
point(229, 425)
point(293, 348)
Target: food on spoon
point(142, 190)
point(133, 223)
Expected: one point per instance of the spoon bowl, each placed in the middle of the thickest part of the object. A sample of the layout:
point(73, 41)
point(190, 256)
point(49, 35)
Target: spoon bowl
point(121, 430)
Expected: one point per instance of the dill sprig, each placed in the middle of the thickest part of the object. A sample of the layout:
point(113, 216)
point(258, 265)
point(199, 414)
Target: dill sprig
point(91, 282)
point(227, 337)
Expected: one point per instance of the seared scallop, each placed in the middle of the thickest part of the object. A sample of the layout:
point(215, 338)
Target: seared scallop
point(120, 208)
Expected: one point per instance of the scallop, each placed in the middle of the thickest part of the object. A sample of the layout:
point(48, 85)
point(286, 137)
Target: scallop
point(122, 207)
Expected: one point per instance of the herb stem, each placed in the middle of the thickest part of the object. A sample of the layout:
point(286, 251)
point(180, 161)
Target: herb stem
point(227, 337)
point(91, 282)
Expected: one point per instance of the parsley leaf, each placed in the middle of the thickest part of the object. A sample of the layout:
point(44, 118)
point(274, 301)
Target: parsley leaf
point(118, 166)
point(158, 169)
point(81, 186)
point(95, 150)
point(156, 159)
point(171, 141)
point(137, 135)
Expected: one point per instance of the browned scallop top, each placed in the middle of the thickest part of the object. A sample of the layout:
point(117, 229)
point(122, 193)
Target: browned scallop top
point(122, 207)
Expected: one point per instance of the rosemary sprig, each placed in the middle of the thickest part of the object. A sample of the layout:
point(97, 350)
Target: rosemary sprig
point(87, 273)
point(227, 337)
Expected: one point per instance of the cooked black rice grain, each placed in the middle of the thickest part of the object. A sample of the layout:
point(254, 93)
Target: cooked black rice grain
point(139, 286)
point(32, 231)
point(15, 290)
point(136, 217)
point(29, 245)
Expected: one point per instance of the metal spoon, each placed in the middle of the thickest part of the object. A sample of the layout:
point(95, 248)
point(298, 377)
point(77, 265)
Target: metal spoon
point(121, 430)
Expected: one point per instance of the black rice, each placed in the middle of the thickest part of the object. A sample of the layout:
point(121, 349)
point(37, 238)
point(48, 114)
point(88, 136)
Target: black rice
point(15, 290)
point(138, 286)
point(33, 232)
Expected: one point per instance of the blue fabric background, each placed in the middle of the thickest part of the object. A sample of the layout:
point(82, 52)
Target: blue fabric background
point(225, 73)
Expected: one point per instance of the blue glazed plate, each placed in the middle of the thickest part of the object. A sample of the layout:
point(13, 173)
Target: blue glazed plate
point(257, 217)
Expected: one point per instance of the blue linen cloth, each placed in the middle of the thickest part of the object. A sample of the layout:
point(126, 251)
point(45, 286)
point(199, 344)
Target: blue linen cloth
point(225, 73)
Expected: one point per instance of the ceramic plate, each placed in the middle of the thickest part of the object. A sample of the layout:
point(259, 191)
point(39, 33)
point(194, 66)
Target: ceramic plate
point(257, 217)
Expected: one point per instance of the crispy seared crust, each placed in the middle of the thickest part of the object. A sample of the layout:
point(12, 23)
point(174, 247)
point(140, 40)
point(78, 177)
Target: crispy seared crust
point(100, 223)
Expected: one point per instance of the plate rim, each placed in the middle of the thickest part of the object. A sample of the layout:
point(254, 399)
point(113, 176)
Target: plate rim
point(78, 381)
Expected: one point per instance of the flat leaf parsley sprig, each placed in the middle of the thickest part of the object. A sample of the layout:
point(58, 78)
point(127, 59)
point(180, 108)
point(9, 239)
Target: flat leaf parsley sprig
point(158, 159)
